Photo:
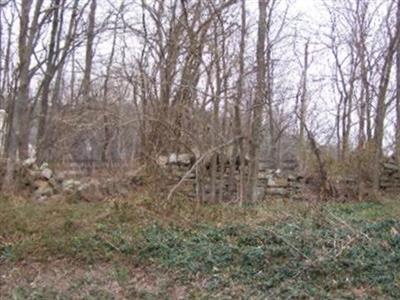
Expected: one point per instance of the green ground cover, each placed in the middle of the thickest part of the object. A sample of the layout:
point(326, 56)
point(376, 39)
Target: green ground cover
point(147, 249)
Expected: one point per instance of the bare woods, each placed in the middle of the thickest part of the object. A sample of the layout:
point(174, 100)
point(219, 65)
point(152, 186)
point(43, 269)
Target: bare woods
point(234, 87)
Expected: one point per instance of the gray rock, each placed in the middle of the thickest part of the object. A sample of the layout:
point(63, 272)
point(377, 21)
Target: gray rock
point(34, 174)
point(59, 178)
point(270, 180)
point(162, 160)
point(70, 185)
point(173, 159)
point(29, 163)
point(41, 199)
point(44, 165)
point(42, 189)
point(184, 159)
point(46, 173)
point(296, 185)
point(264, 175)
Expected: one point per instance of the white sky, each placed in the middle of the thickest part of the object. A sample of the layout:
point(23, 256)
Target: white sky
point(310, 8)
point(311, 15)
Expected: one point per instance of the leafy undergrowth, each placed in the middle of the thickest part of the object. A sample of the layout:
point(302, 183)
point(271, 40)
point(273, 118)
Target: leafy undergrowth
point(145, 249)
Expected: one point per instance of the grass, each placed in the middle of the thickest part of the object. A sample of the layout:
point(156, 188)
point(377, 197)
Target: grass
point(147, 249)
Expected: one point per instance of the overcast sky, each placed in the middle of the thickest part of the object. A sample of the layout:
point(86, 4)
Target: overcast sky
point(307, 7)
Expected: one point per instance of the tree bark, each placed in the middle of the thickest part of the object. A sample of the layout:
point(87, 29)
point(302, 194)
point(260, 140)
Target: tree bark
point(48, 76)
point(17, 132)
point(397, 145)
point(303, 107)
point(86, 82)
point(381, 105)
point(238, 150)
point(254, 149)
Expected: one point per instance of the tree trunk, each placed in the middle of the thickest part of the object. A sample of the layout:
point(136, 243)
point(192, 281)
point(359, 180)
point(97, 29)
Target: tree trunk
point(397, 145)
point(254, 149)
point(86, 82)
point(48, 76)
point(238, 150)
point(303, 108)
point(17, 137)
point(381, 105)
point(106, 121)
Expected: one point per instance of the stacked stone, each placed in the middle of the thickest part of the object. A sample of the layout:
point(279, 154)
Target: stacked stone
point(390, 176)
point(271, 182)
point(42, 184)
point(40, 181)
point(276, 184)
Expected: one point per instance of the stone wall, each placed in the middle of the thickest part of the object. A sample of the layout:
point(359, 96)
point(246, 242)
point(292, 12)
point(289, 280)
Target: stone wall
point(271, 182)
point(42, 183)
point(390, 178)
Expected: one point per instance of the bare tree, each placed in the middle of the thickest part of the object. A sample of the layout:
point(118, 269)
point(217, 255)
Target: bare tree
point(86, 82)
point(397, 145)
point(17, 145)
point(301, 97)
point(255, 141)
point(394, 36)
point(239, 151)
